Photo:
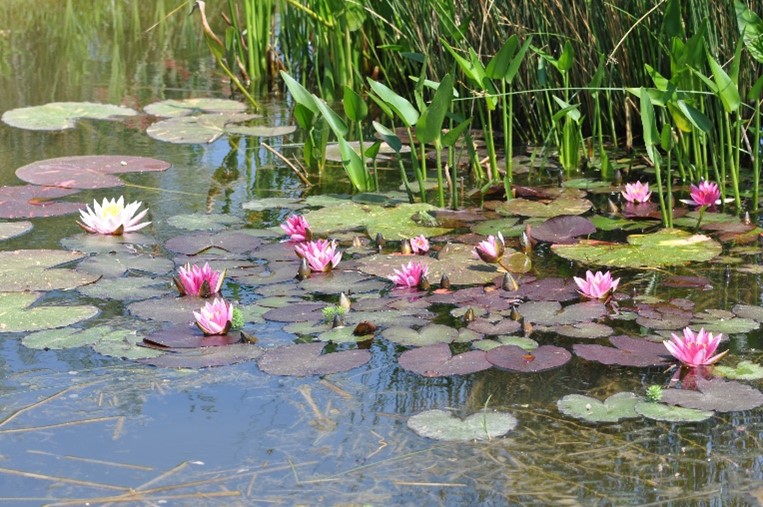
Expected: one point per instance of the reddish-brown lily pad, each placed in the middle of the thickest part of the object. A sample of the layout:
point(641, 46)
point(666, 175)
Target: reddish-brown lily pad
point(627, 351)
point(513, 358)
point(31, 201)
point(301, 312)
point(305, 359)
point(715, 394)
point(207, 356)
point(234, 242)
point(547, 289)
point(438, 361)
point(186, 336)
point(93, 171)
point(562, 229)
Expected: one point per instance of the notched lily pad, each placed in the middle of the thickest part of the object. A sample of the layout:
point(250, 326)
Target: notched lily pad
point(513, 358)
point(305, 359)
point(9, 230)
point(427, 335)
point(186, 336)
point(62, 115)
point(133, 288)
point(627, 351)
point(268, 203)
point(670, 413)
point(442, 425)
point(616, 407)
point(33, 270)
point(519, 341)
point(234, 242)
point(715, 394)
point(204, 221)
point(17, 313)
point(438, 361)
point(557, 207)
point(207, 357)
point(31, 201)
point(562, 229)
point(745, 370)
point(551, 313)
point(173, 108)
point(547, 289)
point(89, 171)
point(204, 128)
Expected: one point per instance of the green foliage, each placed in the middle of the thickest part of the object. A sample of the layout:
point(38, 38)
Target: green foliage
point(654, 393)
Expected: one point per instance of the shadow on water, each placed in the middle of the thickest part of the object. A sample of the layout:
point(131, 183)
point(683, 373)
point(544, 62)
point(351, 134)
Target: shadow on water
point(76, 426)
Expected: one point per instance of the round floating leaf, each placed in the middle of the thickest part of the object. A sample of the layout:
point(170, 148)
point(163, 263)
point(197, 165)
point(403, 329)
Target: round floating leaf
point(586, 183)
point(123, 343)
point(200, 129)
point(493, 227)
point(618, 224)
point(664, 248)
point(340, 280)
point(550, 313)
point(186, 336)
point(427, 335)
point(437, 361)
point(31, 201)
point(268, 203)
point(174, 108)
point(114, 265)
point(10, 230)
point(721, 321)
point(513, 358)
point(261, 130)
point(207, 357)
point(92, 171)
point(753, 312)
point(133, 288)
point(64, 338)
point(128, 244)
point(561, 206)
point(745, 370)
point(62, 115)
point(30, 270)
point(547, 289)
point(17, 314)
point(177, 310)
point(442, 425)
point(669, 413)
point(687, 282)
point(562, 229)
point(305, 359)
point(302, 312)
point(627, 352)
point(590, 330)
point(715, 394)
point(616, 407)
point(503, 326)
point(519, 341)
point(235, 242)
point(204, 221)
point(344, 334)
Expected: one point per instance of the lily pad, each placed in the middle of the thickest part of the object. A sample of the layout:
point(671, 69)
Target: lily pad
point(722, 321)
point(124, 344)
point(126, 244)
point(200, 129)
point(235, 242)
point(32, 270)
point(550, 313)
point(340, 280)
point(519, 341)
point(90, 171)
point(715, 394)
point(31, 201)
point(54, 339)
point(438, 361)
point(442, 425)
point(62, 115)
point(207, 357)
point(114, 265)
point(557, 207)
point(627, 351)
point(503, 326)
point(668, 247)
point(172, 309)
point(186, 336)
point(173, 108)
point(513, 358)
point(204, 221)
point(617, 224)
point(261, 130)
point(745, 370)
point(493, 227)
point(9, 230)
point(562, 229)
point(753, 312)
point(343, 334)
point(547, 289)
point(616, 407)
point(427, 335)
point(589, 330)
point(305, 359)
point(664, 315)
point(133, 288)
point(17, 313)
point(268, 203)
point(670, 413)
point(301, 312)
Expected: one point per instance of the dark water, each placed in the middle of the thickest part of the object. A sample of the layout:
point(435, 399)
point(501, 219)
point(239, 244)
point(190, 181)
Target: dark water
point(76, 426)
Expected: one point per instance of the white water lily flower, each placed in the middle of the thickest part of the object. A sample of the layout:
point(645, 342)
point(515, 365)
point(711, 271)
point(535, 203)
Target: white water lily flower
point(113, 217)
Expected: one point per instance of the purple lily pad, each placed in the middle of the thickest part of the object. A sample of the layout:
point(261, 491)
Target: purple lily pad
point(627, 352)
point(438, 361)
point(551, 313)
point(31, 201)
point(715, 394)
point(669, 315)
point(207, 357)
point(302, 312)
point(589, 330)
point(547, 289)
point(641, 210)
point(234, 242)
point(186, 336)
point(92, 171)
point(562, 229)
point(687, 282)
point(504, 326)
point(305, 359)
point(513, 358)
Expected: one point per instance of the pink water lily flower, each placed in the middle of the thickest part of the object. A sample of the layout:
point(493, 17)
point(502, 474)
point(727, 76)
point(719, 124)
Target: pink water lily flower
point(706, 193)
point(491, 250)
point(637, 192)
point(321, 255)
point(409, 274)
point(113, 217)
point(596, 286)
point(215, 318)
point(419, 245)
point(695, 349)
point(196, 281)
point(297, 228)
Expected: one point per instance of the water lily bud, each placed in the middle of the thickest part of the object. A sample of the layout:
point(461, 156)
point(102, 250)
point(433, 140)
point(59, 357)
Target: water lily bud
point(469, 316)
point(612, 207)
point(337, 322)
point(527, 328)
point(380, 241)
point(515, 315)
point(423, 283)
point(344, 301)
point(508, 283)
point(405, 247)
point(527, 245)
point(444, 282)
point(304, 270)
point(618, 179)
point(747, 220)
point(356, 242)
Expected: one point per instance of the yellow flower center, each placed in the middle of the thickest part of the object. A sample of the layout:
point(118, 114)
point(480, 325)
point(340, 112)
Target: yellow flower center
point(111, 210)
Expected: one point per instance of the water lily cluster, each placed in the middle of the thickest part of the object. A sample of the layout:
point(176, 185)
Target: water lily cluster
point(321, 255)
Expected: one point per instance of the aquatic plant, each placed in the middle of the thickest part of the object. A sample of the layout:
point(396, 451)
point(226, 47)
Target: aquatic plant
point(491, 250)
point(695, 349)
point(419, 245)
point(706, 194)
point(410, 275)
point(196, 281)
point(215, 318)
point(297, 228)
point(330, 312)
point(112, 217)
point(597, 286)
point(637, 192)
point(321, 255)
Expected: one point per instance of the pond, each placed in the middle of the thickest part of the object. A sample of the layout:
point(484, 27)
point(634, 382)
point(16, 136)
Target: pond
point(82, 420)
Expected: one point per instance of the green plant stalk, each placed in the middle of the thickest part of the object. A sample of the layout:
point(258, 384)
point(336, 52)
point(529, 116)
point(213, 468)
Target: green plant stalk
point(660, 192)
point(721, 158)
point(756, 159)
point(454, 185)
point(440, 182)
point(363, 158)
point(507, 106)
point(490, 141)
point(669, 192)
point(733, 169)
point(238, 84)
point(415, 164)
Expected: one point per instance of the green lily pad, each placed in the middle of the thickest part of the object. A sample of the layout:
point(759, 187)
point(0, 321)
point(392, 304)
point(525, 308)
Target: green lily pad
point(17, 314)
point(207, 357)
point(493, 227)
point(344, 334)
point(393, 223)
point(715, 394)
point(31, 270)
point(128, 244)
point(67, 338)
point(557, 207)
point(670, 413)
point(10, 230)
point(200, 129)
point(589, 330)
point(132, 288)
point(268, 203)
point(86, 172)
point(519, 341)
point(753, 312)
point(124, 344)
point(204, 221)
point(586, 183)
point(616, 407)
point(114, 265)
point(722, 321)
point(338, 281)
point(605, 223)
point(261, 130)
point(173, 108)
point(167, 309)
point(667, 247)
point(427, 335)
point(305, 359)
point(551, 313)
point(442, 425)
point(62, 115)
point(745, 370)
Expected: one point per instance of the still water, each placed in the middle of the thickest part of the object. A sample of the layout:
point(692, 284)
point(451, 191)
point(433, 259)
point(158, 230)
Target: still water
point(77, 426)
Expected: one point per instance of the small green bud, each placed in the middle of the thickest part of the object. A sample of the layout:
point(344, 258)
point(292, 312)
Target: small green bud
point(654, 393)
point(238, 318)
